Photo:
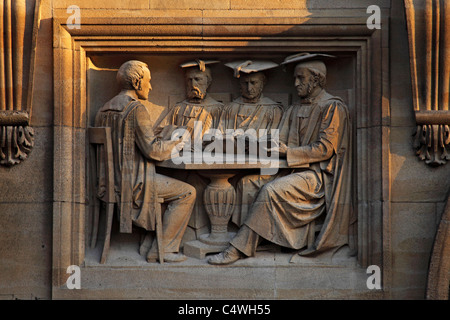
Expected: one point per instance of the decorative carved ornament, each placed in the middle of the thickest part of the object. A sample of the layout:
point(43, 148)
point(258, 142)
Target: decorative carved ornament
point(17, 53)
point(439, 270)
point(429, 23)
point(429, 48)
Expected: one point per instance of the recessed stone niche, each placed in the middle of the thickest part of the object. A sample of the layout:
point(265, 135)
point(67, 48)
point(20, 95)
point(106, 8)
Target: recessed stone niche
point(85, 67)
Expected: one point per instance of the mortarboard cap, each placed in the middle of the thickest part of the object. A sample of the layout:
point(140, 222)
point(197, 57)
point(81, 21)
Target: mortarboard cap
point(201, 64)
point(249, 66)
point(313, 61)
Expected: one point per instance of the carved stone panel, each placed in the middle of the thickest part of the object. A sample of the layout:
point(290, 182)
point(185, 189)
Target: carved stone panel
point(85, 80)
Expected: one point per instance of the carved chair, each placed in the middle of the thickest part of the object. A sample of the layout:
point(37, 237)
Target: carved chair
point(102, 160)
point(100, 142)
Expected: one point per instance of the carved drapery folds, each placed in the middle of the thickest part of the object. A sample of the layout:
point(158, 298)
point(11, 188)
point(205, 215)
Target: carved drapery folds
point(429, 44)
point(439, 270)
point(18, 20)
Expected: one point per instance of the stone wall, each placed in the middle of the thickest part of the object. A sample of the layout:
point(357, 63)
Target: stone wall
point(412, 194)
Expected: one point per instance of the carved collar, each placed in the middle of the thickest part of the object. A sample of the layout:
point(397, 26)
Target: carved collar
point(311, 100)
point(207, 101)
point(262, 101)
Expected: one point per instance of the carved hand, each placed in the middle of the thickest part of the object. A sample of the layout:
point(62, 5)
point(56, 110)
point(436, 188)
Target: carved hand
point(180, 145)
point(237, 133)
point(281, 149)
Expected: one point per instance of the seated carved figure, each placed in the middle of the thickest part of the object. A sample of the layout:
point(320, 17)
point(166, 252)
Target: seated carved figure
point(135, 148)
point(198, 105)
point(198, 108)
point(251, 111)
point(315, 133)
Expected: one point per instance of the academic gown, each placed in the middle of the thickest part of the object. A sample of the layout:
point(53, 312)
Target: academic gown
point(265, 114)
point(184, 114)
point(318, 135)
point(134, 147)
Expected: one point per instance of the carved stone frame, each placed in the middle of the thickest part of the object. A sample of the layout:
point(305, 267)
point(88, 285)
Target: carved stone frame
point(199, 34)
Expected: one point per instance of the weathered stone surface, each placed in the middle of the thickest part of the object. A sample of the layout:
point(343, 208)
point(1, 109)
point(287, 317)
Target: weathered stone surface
point(25, 268)
point(412, 246)
point(189, 4)
point(406, 171)
point(17, 185)
point(267, 276)
point(103, 4)
point(399, 198)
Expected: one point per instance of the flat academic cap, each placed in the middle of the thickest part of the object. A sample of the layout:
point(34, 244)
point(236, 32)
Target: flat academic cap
point(201, 64)
point(309, 60)
point(249, 66)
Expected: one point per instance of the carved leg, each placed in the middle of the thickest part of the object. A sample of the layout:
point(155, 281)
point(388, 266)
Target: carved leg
point(93, 190)
point(109, 218)
point(160, 237)
point(96, 214)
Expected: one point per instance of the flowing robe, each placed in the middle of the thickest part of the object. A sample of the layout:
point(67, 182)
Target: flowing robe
point(134, 146)
point(184, 115)
point(285, 211)
point(266, 114)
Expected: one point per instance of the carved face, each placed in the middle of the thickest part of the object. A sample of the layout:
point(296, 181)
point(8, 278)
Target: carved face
point(252, 85)
point(196, 84)
point(304, 82)
point(144, 88)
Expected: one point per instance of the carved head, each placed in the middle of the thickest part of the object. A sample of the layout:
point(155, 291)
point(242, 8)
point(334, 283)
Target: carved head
point(135, 75)
point(252, 85)
point(197, 83)
point(307, 80)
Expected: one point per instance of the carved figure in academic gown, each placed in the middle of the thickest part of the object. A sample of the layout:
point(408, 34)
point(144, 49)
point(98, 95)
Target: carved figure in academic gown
point(315, 137)
point(197, 107)
point(136, 147)
point(252, 110)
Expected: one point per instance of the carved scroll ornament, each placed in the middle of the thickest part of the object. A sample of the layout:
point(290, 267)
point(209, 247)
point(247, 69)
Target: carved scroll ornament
point(429, 47)
point(17, 48)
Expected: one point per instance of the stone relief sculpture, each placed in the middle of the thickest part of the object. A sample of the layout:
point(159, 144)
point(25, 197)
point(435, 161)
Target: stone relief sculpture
point(135, 148)
point(198, 108)
point(251, 111)
point(306, 207)
point(287, 211)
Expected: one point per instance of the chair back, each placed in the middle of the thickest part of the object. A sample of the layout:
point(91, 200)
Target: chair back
point(100, 141)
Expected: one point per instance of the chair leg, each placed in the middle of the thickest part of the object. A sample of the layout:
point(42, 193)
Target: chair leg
point(95, 218)
point(95, 200)
point(109, 218)
point(160, 238)
point(311, 234)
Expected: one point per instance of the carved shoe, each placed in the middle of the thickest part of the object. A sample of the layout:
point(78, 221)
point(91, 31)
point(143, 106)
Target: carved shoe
point(174, 257)
point(229, 255)
point(168, 257)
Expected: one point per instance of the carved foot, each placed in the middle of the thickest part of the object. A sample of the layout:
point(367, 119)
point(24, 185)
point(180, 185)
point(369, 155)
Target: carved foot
point(146, 244)
point(229, 255)
point(168, 257)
